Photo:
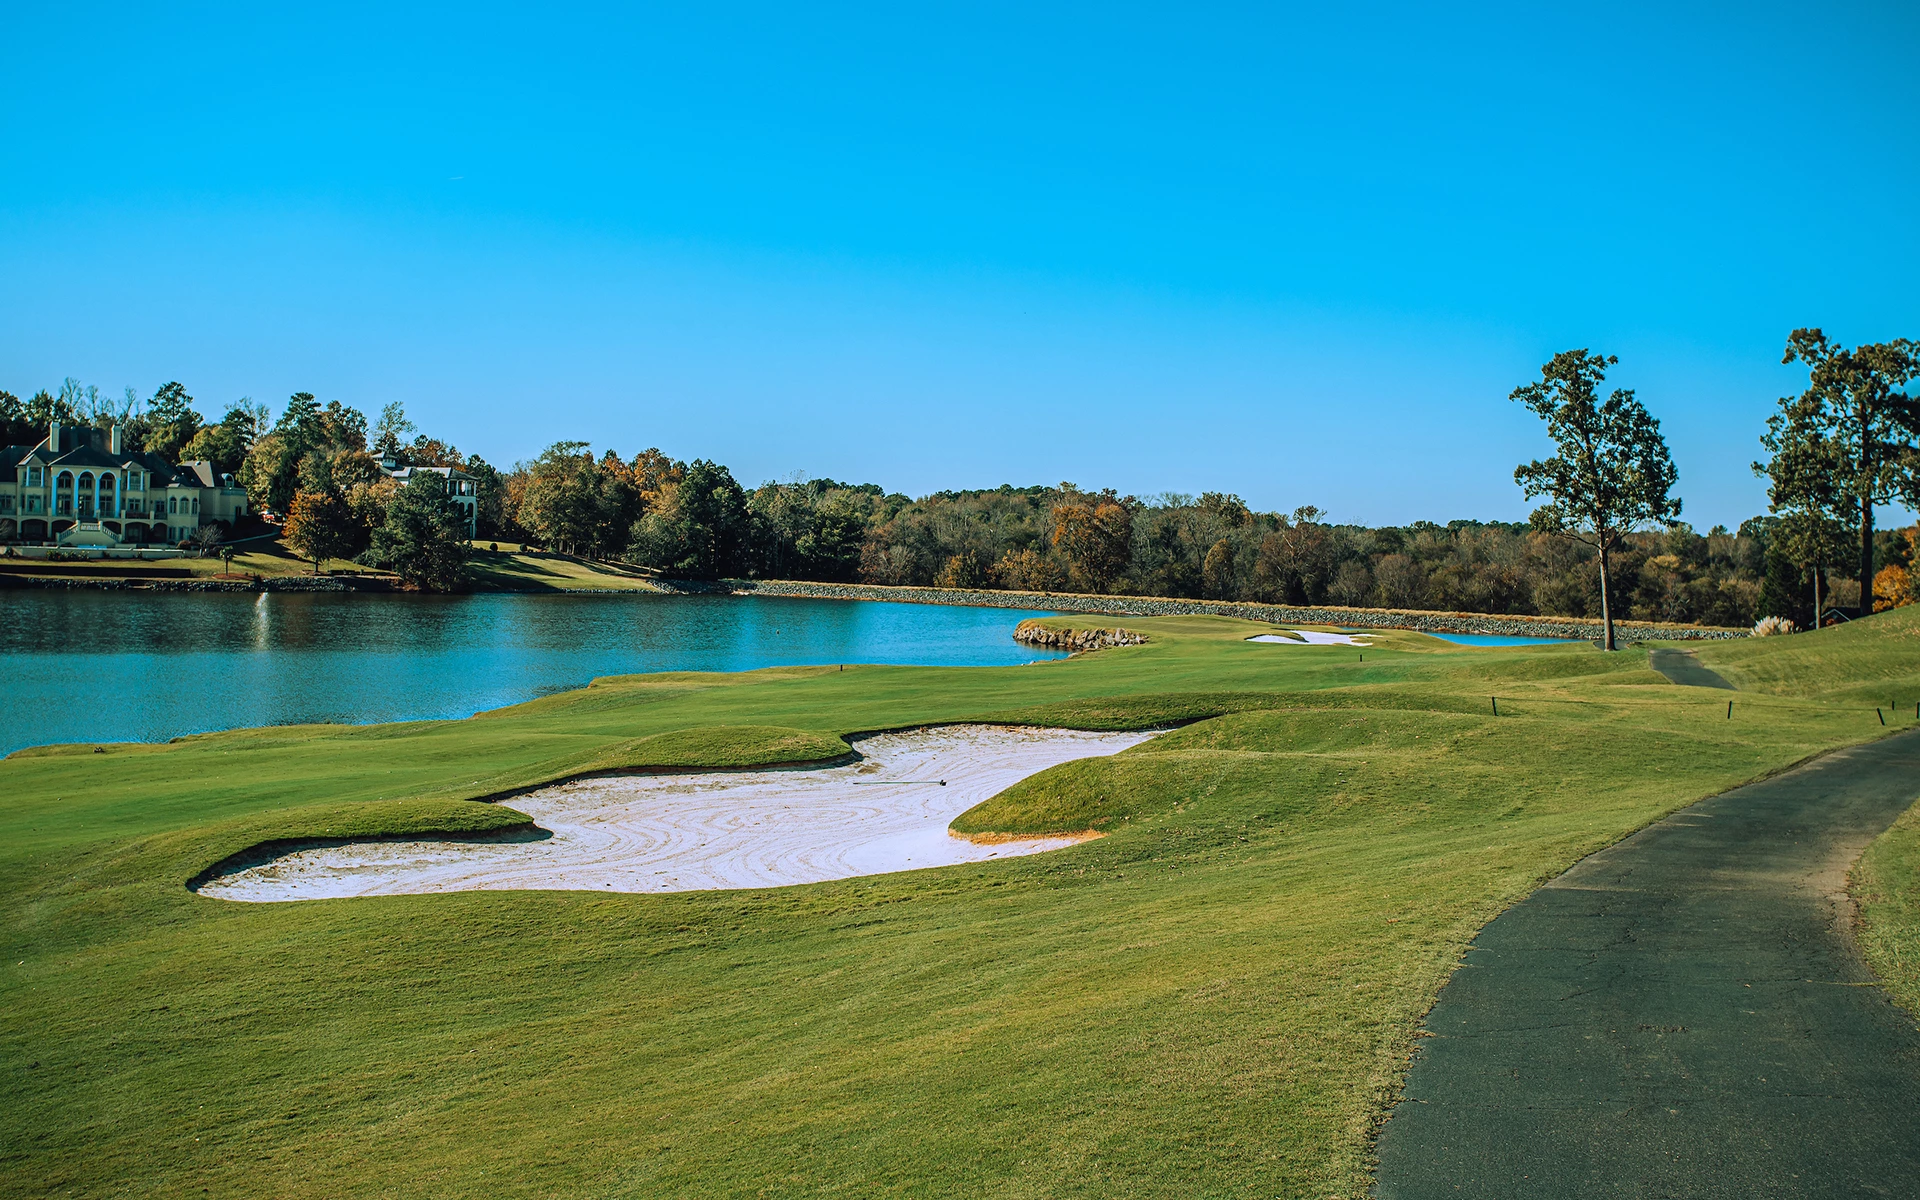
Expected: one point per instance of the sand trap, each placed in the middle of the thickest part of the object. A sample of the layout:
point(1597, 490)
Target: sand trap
point(685, 833)
point(1310, 637)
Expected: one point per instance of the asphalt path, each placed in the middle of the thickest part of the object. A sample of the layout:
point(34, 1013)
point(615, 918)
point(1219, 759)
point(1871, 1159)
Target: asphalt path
point(1682, 1014)
point(1680, 666)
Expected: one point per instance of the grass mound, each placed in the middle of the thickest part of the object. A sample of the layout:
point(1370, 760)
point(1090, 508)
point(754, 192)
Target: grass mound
point(1106, 713)
point(720, 746)
point(1875, 660)
point(340, 822)
point(1092, 793)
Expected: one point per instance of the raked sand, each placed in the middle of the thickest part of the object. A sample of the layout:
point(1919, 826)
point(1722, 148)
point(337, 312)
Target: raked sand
point(735, 829)
point(1309, 637)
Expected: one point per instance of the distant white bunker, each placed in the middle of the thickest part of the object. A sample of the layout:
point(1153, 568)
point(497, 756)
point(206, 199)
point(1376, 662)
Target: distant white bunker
point(1310, 637)
point(734, 829)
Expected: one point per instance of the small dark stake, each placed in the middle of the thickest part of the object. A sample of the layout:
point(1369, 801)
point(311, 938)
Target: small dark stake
point(1881, 715)
point(1496, 704)
point(1729, 710)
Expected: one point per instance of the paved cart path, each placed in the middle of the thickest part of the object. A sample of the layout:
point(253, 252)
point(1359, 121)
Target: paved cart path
point(1682, 1014)
point(1680, 666)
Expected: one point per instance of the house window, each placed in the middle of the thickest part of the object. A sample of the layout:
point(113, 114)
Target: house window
point(33, 476)
point(172, 503)
point(196, 504)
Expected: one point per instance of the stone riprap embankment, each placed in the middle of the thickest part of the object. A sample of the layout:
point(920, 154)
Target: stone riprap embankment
point(1033, 633)
point(270, 583)
point(1149, 606)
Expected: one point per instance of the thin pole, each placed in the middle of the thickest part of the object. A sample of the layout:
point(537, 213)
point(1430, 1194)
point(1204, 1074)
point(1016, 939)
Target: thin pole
point(1881, 715)
point(1496, 704)
point(1729, 710)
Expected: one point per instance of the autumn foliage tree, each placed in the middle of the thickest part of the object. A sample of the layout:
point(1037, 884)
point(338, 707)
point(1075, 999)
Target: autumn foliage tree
point(1095, 533)
point(319, 527)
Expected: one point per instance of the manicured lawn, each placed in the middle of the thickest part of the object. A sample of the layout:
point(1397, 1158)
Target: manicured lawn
point(514, 569)
point(1216, 999)
point(511, 568)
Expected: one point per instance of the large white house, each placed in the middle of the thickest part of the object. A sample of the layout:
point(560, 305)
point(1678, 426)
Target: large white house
point(79, 487)
point(462, 489)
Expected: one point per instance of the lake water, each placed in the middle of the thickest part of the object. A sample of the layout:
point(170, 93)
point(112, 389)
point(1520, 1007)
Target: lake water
point(101, 666)
point(1499, 639)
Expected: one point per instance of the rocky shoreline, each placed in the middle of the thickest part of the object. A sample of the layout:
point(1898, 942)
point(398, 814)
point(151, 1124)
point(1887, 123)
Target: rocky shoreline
point(1034, 633)
point(267, 583)
point(1145, 606)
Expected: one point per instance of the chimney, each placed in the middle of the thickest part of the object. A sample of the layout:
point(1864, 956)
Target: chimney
point(53, 438)
point(113, 439)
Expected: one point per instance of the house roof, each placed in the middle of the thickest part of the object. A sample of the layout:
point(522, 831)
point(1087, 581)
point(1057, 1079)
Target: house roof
point(84, 457)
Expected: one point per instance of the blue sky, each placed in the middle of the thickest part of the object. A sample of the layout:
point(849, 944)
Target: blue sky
point(1296, 254)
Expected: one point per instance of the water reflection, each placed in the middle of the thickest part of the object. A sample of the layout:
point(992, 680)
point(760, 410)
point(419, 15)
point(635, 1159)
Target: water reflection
point(133, 666)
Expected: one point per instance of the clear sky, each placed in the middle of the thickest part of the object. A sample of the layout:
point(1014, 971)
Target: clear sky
point(1297, 254)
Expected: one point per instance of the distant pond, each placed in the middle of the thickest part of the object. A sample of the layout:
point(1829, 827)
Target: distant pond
point(125, 666)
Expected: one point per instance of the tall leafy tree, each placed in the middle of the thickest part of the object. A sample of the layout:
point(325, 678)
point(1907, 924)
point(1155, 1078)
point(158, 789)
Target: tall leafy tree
point(1612, 474)
point(424, 537)
point(1095, 532)
point(320, 526)
point(271, 470)
point(391, 430)
point(560, 501)
point(1805, 472)
point(219, 444)
point(14, 429)
point(166, 425)
point(700, 528)
point(1864, 432)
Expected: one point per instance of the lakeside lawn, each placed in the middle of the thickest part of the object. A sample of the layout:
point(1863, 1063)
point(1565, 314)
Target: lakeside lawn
point(511, 568)
point(1216, 999)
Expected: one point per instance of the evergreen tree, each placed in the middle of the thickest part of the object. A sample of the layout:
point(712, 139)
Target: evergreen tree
point(424, 537)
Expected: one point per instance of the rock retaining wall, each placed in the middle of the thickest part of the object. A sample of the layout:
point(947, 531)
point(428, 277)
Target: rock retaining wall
point(272, 583)
point(1147, 606)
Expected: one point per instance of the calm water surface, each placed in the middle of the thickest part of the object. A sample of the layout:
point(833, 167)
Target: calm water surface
point(1498, 639)
point(87, 666)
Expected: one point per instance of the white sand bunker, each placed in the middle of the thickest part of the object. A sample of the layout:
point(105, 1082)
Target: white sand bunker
point(1310, 637)
point(739, 829)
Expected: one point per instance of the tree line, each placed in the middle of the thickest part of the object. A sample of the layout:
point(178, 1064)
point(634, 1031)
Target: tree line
point(1606, 542)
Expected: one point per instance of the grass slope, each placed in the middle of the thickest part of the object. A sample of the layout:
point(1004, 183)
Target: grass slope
point(1216, 999)
point(511, 568)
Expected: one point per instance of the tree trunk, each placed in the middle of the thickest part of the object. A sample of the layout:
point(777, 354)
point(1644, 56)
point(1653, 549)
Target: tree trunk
point(1866, 556)
point(1606, 601)
point(1816, 597)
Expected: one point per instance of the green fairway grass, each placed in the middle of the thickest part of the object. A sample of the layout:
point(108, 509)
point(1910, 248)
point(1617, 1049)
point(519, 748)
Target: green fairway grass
point(1217, 998)
point(1886, 887)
